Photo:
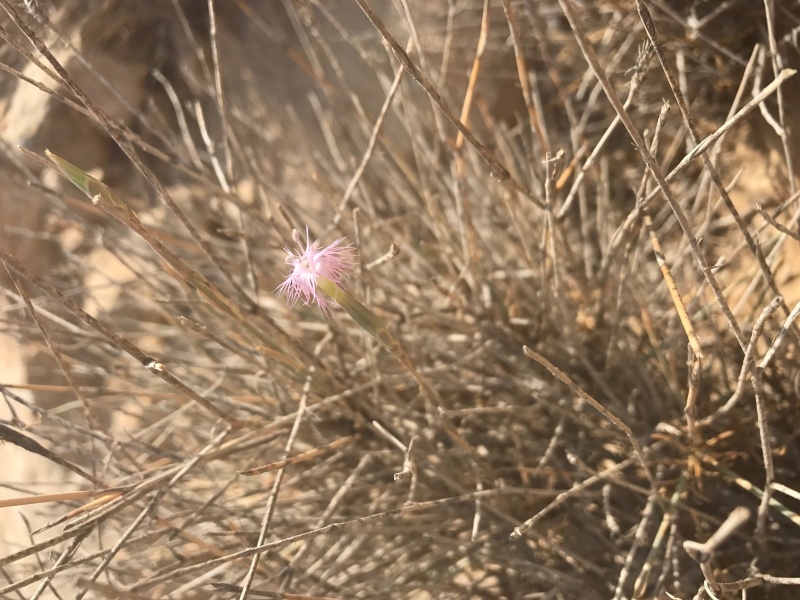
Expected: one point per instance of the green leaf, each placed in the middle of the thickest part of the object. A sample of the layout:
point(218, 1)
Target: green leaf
point(90, 186)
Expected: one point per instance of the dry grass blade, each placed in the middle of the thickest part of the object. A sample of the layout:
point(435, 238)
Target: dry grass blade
point(58, 497)
point(697, 356)
point(748, 360)
point(654, 169)
point(498, 171)
point(650, 28)
point(154, 366)
point(563, 377)
point(308, 455)
point(11, 436)
point(521, 529)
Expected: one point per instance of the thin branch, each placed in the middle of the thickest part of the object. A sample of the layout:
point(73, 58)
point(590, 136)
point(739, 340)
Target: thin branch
point(564, 378)
point(652, 165)
point(497, 170)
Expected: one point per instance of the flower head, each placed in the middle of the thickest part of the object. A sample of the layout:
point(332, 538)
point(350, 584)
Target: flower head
point(310, 264)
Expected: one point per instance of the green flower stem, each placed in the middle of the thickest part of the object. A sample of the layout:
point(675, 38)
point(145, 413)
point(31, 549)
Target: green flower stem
point(369, 322)
point(364, 317)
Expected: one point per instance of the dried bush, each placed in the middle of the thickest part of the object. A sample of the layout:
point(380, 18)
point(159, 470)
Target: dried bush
point(598, 361)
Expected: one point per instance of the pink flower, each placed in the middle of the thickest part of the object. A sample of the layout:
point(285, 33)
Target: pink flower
point(310, 265)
